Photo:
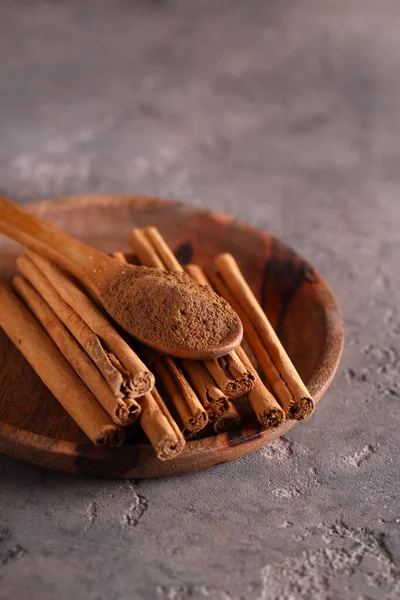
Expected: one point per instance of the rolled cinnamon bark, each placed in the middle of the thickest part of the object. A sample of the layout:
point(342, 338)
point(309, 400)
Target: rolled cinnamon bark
point(197, 274)
point(228, 421)
point(231, 375)
point(214, 402)
point(56, 373)
point(273, 358)
point(125, 257)
point(118, 256)
point(268, 411)
point(76, 356)
point(255, 344)
point(137, 380)
point(125, 409)
point(198, 417)
point(164, 409)
point(168, 258)
point(144, 250)
point(169, 376)
point(159, 427)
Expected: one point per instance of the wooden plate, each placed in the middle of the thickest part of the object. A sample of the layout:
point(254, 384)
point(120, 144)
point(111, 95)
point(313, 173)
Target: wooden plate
point(35, 428)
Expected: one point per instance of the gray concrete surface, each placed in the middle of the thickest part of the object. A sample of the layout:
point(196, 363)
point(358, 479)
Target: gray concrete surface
point(284, 113)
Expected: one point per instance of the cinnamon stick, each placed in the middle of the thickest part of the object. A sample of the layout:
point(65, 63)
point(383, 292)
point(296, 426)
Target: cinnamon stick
point(275, 362)
point(228, 421)
point(165, 253)
point(211, 397)
point(144, 250)
point(198, 417)
point(124, 410)
point(118, 256)
point(135, 378)
point(191, 413)
point(197, 273)
point(268, 412)
point(75, 355)
point(159, 427)
point(125, 257)
point(255, 344)
point(164, 409)
point(231, 375)
point(56, 373)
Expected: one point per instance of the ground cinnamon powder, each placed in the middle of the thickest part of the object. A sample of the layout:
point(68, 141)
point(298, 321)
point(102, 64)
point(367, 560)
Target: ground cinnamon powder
point(170, 309)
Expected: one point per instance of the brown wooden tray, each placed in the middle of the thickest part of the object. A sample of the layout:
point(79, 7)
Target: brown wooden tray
point(36, 429)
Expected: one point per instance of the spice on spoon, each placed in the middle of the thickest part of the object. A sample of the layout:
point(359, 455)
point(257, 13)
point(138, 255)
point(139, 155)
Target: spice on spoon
point(172, 310)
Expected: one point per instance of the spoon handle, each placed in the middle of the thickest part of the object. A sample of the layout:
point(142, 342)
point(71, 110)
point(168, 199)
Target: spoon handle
point(52, 243)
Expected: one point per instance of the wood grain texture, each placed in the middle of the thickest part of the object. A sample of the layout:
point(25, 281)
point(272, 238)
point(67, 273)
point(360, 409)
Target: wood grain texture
point(300, 305)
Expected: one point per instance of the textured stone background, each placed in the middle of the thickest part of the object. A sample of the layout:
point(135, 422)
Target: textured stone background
point(284, 113)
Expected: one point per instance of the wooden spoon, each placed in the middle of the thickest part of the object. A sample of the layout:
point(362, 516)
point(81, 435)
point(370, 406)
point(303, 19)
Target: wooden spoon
point(109, 280)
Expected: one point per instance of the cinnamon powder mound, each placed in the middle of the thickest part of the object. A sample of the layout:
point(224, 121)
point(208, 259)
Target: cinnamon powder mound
point(170, 309)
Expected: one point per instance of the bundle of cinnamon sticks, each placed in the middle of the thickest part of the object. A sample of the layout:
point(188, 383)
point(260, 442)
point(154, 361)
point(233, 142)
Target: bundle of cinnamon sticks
point(109, 386)
point(107, 383)
point(218, 383)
